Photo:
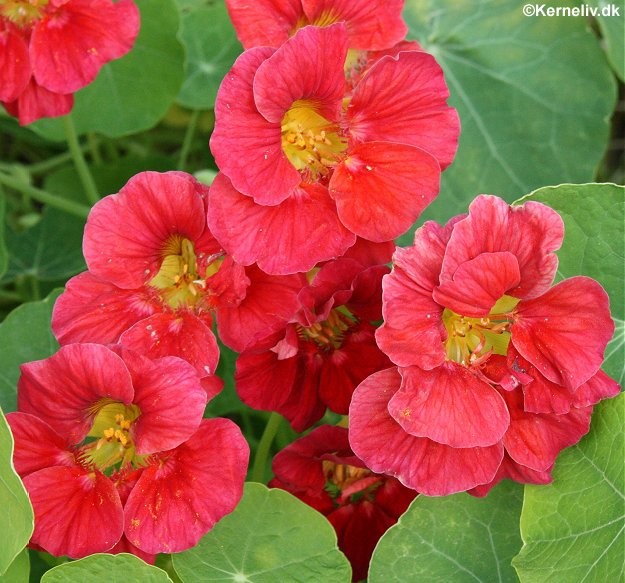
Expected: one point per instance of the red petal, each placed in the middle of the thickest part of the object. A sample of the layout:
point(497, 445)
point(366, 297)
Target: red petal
point(37, 445)
point(93, 310)
point(419, 463)
point(449, 405)
point(284, 239)
point(77, 512)
point(247, 148)
point(35, 102)
point(155, 207)
point(69, 46)
point(382, 187)
point(478, 283)
point(532, 232)
point(564, 332)
point(180, 498)
point(369, 253)
point(403, 100)
point(63, 388)
point(14, 62)
point(125, 546)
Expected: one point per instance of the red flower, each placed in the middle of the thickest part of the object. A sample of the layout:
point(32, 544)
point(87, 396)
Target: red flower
point(109, 443)
point(321, 470)
point(470, 316)
point(51, 49)
point(325, 350)
point(371, 24)
point(156, 274)
point(302, 153)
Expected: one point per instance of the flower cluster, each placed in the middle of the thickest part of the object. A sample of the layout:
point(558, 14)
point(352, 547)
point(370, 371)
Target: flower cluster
point(49, 49)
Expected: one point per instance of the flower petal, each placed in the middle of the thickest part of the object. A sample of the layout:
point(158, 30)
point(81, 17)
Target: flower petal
point(14, 62)
point(35, 102)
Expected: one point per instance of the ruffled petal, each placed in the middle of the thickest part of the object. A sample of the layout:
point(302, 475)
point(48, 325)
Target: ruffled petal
point(382, 187)
point(180, 498)
point(35, 102)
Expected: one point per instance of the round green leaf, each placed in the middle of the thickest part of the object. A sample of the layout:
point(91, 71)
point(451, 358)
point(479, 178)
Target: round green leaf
point(106, 568)
point(19, 570)
point(534, 97)
point(132, 93)
point(212, 47)
point(16, 519)
point(594, 220)
point(613, 31)
point(573, 529)
point(455, 538)
point(25, 335)
point(271, 536)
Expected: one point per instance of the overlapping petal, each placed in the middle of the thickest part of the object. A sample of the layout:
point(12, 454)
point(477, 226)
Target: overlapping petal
point(14, 62)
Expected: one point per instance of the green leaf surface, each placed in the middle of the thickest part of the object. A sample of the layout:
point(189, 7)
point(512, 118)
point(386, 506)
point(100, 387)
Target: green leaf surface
point(132, 93)
point(573, 529)
point(613, 32)
point(25, 335)
point(4, 256)
point(106, 569)
point(19, 570)
point(534, 97)
point(16, 518)
point(212, 47)
point(452, 539)
point(594, 221)
point(271, 536)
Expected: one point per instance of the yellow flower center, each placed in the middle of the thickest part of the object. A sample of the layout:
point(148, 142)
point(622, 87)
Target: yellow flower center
point(22, 13)
point(472, 340)
point(329, 334)
point(311, 143)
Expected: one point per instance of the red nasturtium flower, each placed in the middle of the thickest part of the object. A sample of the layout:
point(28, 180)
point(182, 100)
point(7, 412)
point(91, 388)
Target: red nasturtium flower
point(497, 370)
point(321, 470)
point(50, 49)
point(115, 455)
point(302, 153)
point(371, 24)
point(156, 274)
point(322, 354)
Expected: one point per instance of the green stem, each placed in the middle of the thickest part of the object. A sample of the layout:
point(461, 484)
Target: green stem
point(94, 148)
point(84, 174)
point(49, 164)
point(188, 139)
point(63, 204)
point(264, 446)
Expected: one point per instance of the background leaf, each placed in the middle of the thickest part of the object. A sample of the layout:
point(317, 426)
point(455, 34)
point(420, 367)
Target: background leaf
point(16, 518)
point(25, 335)
point(613, 32)
point(102, 567)
point(271, 536)
point(19, 570)
point(594, 220)
point(573, 529)
point(132, 93)
point(4, 257)
point(534, 97)
point(454, 538)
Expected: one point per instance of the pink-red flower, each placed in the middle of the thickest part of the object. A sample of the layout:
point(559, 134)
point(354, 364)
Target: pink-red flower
point(50, 49)
point(318, 358)
point(115, 455)
point(371, 24)
point(304, 153)
point(494, 363)
point(156, 274)
point(322, 470)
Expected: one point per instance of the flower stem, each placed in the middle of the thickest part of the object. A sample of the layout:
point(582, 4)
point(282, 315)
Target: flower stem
point(188, 139)
point(264, 446)
point(63, 204)
point(86, 179)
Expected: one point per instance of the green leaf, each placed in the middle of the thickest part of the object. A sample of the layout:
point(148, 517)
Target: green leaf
point(25, 335)
point(19, 570)
point(106, 568)
point(212, 47)
point(455, 538)
point(132, 93)
point(613, 32)
point(16, 519)
point(271, 536)
point(594, 220)
point(534, 97)
point(573, 529)
point(4, 255)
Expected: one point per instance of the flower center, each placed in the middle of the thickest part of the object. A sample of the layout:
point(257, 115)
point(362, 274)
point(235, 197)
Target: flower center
point(471, 341)
point(329, 334)
point(22, 13)
point(345, 483)
point(310, 142)
point(112, 444)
